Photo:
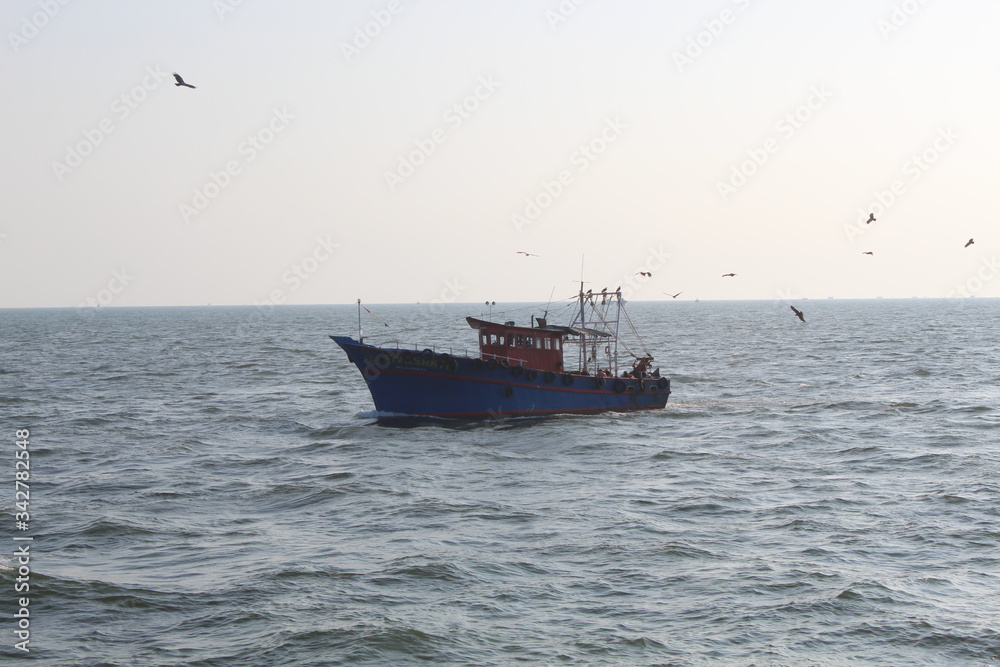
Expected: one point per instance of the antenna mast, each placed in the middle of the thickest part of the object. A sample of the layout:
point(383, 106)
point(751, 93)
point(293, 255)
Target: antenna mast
point(361, 334)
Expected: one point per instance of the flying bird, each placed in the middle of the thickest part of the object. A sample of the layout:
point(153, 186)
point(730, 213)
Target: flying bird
point(866, 252)
point(798, 313)
point(180, 81)
point(969, 243)
point(526, 254)
point(644, 273)
point(871, 219)
point(674, 296)
point(728, 275)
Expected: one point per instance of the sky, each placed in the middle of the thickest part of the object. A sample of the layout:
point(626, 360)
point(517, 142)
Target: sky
point(458, 151)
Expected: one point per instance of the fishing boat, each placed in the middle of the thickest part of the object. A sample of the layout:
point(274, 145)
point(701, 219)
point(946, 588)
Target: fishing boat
point(521, 370)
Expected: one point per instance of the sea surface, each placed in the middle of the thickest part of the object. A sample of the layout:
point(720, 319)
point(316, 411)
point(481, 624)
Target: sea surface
point(210, 486)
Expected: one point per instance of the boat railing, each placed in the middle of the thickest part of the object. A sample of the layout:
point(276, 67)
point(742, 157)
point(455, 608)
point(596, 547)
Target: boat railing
point(441, 349)
point(436, 349)
point(499, 357)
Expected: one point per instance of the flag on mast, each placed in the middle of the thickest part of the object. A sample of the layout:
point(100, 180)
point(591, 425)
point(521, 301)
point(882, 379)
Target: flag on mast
point(374, 315)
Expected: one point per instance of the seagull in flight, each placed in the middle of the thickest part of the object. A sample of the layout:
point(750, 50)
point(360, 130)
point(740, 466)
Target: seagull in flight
point(728, 275)
point(644, 273)
point(798, 313)
point(526, 254)
point(180, 81)
point(674, 296)
point(871, 219)
point(969, 243)
point(867, 252)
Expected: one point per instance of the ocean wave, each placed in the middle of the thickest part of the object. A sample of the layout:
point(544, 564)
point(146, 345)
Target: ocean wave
point(260, 513)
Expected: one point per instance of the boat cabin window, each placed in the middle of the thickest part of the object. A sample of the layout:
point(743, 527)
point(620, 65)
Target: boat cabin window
point(528, 341)
point(555, 343)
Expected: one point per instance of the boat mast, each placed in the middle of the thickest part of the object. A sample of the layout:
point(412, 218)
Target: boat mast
point(361, 334)
point(618, 317)
point(583, 336)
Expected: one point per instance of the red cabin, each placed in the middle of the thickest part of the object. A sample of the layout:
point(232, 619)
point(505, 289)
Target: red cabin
point(532, 347)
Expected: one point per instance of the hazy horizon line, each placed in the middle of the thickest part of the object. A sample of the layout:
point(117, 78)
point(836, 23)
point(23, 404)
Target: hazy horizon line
point(477, 303)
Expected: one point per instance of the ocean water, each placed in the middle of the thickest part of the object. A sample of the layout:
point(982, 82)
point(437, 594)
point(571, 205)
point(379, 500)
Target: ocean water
point(209, 486)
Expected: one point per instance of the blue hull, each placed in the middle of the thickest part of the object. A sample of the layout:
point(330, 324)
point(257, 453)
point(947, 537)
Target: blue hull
point(407, 382)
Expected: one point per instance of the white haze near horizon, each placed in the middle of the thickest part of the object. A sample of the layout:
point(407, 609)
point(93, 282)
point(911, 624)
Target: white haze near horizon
point(405, 151)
